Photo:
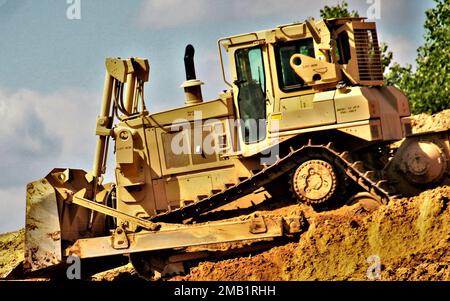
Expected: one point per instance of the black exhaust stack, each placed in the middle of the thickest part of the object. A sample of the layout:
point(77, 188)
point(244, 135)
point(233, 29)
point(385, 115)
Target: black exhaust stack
point(192, 86)
point(189, 62)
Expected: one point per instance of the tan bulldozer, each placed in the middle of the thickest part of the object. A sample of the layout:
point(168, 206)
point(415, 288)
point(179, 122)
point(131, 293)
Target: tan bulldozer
point(307, 116)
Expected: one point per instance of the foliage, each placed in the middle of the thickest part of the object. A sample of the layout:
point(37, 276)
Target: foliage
point(340, 10)
point(428, 87)
point(386, 56)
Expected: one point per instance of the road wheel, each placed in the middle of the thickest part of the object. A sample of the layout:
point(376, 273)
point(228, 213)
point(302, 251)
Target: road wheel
point(365, 201)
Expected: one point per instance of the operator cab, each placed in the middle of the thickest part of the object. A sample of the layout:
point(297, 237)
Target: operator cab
point(286, 72)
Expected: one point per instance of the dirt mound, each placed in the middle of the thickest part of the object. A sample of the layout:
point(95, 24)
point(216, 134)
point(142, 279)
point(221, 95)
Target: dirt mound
point(11, 250)
point(425, 123)
point(410, 238)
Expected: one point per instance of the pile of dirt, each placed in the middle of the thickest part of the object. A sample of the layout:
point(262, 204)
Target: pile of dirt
point(425, 123)
point(11, 251)
point(410, 239)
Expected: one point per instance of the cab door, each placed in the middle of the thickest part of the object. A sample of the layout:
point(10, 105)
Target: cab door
point(250, 94)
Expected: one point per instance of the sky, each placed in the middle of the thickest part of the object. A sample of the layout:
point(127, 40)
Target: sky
point(52, 67)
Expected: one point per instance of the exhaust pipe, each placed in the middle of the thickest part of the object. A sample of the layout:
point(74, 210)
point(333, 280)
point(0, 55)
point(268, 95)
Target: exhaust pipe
point(192, 86)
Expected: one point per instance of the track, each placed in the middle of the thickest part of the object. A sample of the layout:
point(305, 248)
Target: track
point(354, 170)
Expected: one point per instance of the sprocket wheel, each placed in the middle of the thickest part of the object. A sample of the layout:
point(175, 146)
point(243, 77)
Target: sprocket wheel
point(315, 182)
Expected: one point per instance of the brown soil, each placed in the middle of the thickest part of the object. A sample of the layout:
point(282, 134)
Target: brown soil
point(410, 237)
point(425, 123)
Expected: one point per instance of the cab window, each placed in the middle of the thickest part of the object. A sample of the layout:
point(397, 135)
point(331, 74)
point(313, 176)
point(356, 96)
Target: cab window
point(343, 48)
point(287, 78)
point(251, 83)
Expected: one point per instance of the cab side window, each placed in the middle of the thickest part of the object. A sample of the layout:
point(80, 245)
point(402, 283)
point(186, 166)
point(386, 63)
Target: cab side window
point(287, 78)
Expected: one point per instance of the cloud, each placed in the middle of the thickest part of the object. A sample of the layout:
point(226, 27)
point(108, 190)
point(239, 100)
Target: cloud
point(40, 132)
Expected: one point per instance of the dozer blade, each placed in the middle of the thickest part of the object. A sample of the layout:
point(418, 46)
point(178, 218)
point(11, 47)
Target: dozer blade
point(43, 232)
point(52, 217)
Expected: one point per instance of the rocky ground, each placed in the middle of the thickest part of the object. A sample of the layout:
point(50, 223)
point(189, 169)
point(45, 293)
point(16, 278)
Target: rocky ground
point(410, 238)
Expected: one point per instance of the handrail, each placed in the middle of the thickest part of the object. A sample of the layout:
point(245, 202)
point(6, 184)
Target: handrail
point(219, 44)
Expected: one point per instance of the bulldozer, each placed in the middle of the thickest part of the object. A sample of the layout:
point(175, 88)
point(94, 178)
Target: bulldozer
point(306, 116)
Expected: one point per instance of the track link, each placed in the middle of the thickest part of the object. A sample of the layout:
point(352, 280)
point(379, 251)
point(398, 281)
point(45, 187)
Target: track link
point(354, 170)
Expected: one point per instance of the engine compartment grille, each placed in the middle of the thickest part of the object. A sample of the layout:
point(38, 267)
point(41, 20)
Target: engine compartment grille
point(369, 55)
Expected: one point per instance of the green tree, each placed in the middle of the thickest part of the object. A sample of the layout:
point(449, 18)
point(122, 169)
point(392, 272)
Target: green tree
point(341, 10)
point(386, 56)
point(399, 76)
point(428, 88)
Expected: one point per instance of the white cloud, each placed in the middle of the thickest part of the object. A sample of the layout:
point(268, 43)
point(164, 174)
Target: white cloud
point(40, 132)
